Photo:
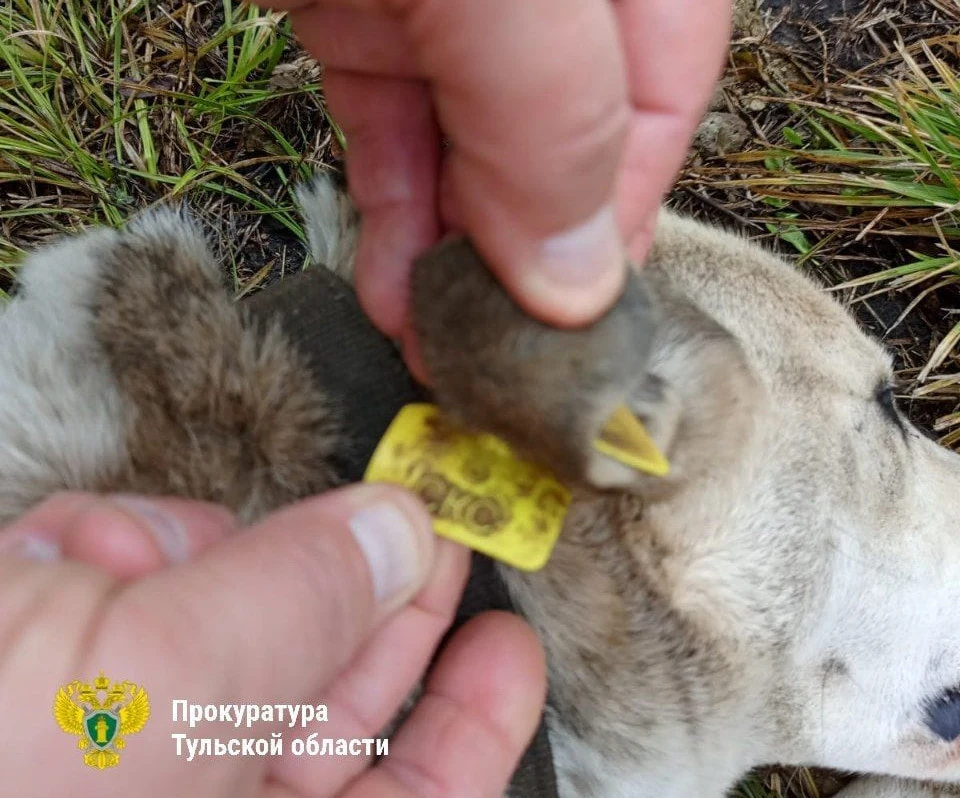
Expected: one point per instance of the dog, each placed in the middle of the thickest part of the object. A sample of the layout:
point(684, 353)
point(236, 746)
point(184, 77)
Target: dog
point(788, 593)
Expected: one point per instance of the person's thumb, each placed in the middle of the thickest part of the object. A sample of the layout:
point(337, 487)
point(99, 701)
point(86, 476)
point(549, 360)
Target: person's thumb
point(533, 98)
point(284, 606)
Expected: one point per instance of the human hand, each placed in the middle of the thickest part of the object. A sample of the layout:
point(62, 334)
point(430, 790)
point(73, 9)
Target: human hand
point(338, 600)
point(568, 121)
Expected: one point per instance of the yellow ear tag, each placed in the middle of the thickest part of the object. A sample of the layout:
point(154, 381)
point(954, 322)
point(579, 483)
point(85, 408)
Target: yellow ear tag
point(478, 492)
point(624, 438)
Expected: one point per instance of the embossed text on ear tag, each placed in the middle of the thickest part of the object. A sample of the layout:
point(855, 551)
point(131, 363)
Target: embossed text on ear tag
point(624, 438)
point(479, 493)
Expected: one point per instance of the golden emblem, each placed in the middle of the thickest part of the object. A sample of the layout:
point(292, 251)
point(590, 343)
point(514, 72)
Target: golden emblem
point(100, 715)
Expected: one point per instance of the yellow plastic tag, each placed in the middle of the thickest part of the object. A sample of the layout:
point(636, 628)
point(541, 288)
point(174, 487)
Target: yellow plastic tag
point(624, 438)
point(479, 493)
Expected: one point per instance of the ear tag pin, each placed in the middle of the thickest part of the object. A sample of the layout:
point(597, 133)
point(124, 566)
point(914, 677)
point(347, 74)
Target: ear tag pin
point(625, 439)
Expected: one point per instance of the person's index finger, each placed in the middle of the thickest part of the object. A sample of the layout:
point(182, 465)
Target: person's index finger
point(674, 53)
point(278, 610)
point(392, 170)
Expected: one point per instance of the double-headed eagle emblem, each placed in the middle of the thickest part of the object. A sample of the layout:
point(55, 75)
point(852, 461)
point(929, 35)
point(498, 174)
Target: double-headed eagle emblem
point(101, 715)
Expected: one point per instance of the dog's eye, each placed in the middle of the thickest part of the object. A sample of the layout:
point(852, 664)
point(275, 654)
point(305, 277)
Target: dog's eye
point(888, 403)
point(887, 398)
point(943, 716)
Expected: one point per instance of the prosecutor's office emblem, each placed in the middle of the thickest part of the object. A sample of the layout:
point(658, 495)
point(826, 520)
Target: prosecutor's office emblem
point(101, 715)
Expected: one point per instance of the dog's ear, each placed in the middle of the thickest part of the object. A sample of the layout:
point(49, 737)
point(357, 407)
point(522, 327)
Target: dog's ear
point(571, 399)
point(699, 398)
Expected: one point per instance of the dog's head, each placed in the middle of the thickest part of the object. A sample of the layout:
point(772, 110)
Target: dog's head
point(807, 531)
point(829, 509)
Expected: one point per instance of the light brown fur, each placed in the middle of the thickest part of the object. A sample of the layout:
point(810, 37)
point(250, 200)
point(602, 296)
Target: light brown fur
point(221, 407)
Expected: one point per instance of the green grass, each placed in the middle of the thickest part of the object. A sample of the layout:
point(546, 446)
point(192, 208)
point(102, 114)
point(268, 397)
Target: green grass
point(108, 106)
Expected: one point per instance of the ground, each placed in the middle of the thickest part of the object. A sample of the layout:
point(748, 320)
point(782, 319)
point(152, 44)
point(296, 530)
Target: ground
point(834, 137)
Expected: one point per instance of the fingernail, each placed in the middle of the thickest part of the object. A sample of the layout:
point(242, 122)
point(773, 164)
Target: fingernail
point(37, 549)
point(578, 256)
point(166, 530)
point(391, 546)
point(577, 273)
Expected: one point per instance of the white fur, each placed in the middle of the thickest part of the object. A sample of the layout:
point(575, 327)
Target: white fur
point(60, 414)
